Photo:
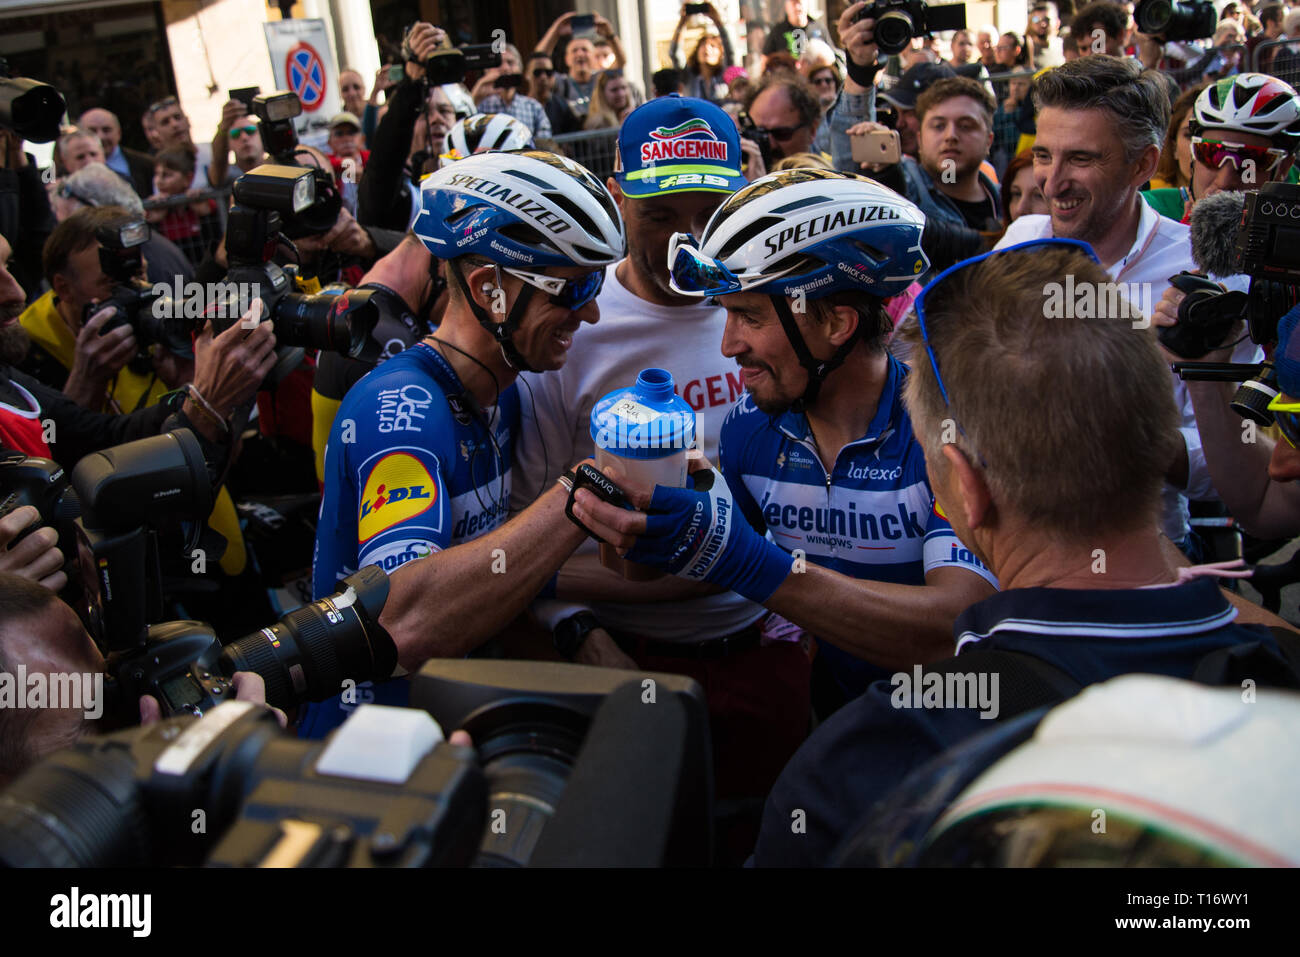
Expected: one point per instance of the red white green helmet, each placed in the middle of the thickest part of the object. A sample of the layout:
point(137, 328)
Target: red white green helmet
point(1250, 103)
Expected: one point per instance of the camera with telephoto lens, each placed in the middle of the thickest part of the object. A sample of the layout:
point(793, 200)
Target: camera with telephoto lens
point(127, 493)
point(452, 64)
point(31, 109)
point(899, 21)
point(152, 316)
point(265, 198)
point(1175, 22)
point(572, 766)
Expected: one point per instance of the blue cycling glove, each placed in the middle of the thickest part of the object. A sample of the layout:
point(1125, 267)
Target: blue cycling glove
point(700, 534)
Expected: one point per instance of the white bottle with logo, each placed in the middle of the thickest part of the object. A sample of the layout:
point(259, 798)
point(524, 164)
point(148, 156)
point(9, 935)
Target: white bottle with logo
point(645, 432)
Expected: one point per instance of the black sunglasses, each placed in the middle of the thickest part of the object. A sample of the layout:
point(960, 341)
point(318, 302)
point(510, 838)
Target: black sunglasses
point(541, 72)
point(783, 132)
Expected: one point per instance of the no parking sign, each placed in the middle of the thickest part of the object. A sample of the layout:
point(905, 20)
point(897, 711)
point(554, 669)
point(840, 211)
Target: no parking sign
point(304, 63)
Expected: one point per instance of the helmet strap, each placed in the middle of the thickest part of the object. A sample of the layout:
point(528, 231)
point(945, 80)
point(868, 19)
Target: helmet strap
point(503, 332)
point(817, 369)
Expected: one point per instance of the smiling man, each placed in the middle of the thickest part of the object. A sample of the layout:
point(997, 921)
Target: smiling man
point(417, 468)
point(1101, 120)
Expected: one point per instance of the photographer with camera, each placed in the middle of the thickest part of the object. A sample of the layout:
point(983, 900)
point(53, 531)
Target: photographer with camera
point(242, 132)
point(407, 140)
point(504, 89)
point(417, 469)
point(42, 638)
point(575, 87)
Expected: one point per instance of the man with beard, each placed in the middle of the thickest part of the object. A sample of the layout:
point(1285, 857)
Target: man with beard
point(819, 454)
point(1101, 120)
point(758, 691)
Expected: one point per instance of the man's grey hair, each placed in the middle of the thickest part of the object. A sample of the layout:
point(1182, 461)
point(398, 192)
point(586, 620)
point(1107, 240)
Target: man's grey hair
point(1138, 99)
point(98, 184)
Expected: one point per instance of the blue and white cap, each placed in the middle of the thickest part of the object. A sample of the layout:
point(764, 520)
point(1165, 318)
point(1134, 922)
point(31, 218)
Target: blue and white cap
point(677, 143)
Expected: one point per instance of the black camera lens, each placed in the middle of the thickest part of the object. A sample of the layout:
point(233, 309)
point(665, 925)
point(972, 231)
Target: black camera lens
point(1174, 21)
point(894, 31)
point(308, 653)
point(339, 323)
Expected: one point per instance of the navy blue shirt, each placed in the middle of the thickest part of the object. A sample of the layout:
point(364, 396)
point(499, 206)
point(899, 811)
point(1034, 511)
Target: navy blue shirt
point(870, 745)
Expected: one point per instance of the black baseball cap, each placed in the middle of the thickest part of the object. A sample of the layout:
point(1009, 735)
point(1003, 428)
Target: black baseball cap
point(914, 82)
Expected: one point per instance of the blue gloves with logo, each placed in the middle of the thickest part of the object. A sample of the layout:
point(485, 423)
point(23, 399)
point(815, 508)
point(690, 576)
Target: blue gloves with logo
point(698, 533)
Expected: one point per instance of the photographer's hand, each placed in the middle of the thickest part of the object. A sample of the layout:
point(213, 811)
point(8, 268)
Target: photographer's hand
point(229, 368)
point(859, 44)
point(249, 686)
point(1166, 314)
point(424, 41)
point(755, 168)
point(37, 557)
point(98, 358)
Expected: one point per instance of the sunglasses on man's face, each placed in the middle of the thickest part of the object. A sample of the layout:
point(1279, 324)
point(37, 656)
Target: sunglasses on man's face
point(571, 294)
point(539, 72)
point(243, 130)
point(782, 132)
point(824, 81)
point(1214, 154)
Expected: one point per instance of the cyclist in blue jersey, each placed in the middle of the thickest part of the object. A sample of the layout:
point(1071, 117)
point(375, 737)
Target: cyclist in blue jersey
point(417, 467)
point(819, 454)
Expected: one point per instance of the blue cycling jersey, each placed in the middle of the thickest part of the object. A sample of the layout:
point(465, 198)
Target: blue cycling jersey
point(413, 466)
point(872, 517)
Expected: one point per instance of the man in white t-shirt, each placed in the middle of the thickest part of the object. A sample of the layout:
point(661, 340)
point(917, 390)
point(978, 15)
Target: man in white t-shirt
point(1101, 121)
point(678, 159)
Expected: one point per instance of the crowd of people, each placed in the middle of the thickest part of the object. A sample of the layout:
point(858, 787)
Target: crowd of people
point(902, 459)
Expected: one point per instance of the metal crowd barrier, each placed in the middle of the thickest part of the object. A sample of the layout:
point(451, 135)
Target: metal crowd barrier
point(594, 149)
point(211, 228)
point(1279, 58)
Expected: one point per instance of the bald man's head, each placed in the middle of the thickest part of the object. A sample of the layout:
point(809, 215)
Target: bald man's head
point(104, 125)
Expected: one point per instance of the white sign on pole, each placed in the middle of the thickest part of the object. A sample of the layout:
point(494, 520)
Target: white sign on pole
point(303, 61)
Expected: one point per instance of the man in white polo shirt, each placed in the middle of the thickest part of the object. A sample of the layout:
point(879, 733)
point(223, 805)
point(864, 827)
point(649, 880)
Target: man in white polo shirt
point(1101, 121)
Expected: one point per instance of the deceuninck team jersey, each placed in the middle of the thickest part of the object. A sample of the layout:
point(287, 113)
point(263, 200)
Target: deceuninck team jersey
point(872, 517)
point(411, 468)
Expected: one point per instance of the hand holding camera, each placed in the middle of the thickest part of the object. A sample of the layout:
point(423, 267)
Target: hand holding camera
point(228, 368)
point(101, 353)
point(422, 41)
point(857, 35)
point(32, 555)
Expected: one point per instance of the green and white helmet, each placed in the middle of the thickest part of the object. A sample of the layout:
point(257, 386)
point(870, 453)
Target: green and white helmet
point(1250, 103)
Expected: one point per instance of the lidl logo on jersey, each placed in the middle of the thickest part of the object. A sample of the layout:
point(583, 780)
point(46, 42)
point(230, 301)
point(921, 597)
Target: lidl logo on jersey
point(690, 140)
point(398, 488)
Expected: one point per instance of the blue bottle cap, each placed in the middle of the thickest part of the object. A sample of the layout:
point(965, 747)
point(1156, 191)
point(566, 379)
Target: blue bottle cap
point(646, 421)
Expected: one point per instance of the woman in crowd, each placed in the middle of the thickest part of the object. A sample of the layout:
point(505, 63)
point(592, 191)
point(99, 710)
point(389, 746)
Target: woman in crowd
point(1175, 169)
point(1020, 194)
point(611, 102)
point(708, 59)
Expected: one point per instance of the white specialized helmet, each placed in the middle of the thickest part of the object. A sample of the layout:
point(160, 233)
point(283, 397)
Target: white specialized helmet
point(487, 131)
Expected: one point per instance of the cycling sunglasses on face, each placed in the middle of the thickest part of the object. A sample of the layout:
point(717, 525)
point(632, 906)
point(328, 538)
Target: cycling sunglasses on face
point(694, 272)
point(571, 294)
point(1214, 154)
point(243, 130)
point(1287, 417)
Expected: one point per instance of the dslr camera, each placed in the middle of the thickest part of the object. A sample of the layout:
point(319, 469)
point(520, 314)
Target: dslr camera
point(898, 21)
point(1175, 21)
point(151, 315)
point(31, 109)
point(127, 494)
point(452, 64)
